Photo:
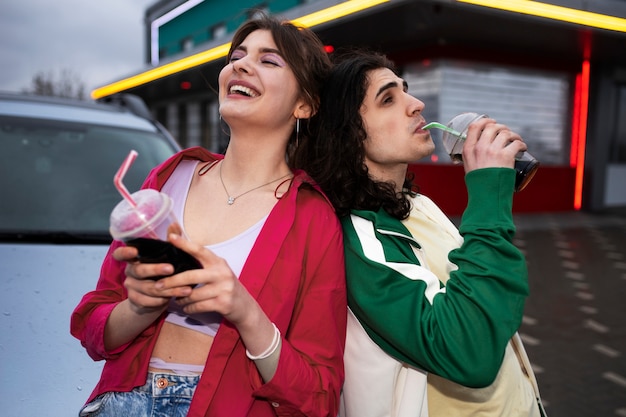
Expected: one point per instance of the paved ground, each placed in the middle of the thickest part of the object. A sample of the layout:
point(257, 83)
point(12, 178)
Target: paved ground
point(575, 319)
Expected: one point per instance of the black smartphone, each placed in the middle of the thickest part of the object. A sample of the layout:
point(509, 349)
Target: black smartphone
point(154, 251)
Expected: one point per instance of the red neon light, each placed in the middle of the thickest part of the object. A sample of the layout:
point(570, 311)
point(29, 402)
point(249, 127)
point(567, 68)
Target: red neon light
point(582, 133)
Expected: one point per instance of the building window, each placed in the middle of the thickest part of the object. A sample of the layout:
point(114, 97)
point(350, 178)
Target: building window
point(186, 44)
point(183, 138)
point(618, 139)
point(218, 31)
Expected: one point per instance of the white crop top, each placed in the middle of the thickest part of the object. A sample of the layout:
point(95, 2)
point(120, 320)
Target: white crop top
point(235, 250)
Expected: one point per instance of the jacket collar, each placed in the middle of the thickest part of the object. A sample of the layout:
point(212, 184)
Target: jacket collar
point(386, 224)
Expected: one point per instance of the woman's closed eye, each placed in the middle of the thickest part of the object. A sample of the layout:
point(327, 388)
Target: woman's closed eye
point(236, 55)
point(272, 59)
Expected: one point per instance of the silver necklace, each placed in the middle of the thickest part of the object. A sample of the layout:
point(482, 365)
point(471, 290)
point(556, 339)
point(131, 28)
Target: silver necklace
point(231, 199)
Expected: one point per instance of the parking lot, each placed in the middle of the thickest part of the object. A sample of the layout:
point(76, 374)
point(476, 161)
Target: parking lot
point(574, 327)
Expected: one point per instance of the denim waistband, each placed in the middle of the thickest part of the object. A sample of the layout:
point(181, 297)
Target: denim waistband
point(161, 384)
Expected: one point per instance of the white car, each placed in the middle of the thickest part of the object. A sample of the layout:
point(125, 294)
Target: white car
point(57, 162)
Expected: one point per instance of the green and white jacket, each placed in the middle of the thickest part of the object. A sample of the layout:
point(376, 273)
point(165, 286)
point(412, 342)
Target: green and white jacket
point(403, 322)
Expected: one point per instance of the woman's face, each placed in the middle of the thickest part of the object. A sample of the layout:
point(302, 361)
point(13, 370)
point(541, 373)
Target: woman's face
point(393, 121)
point(257, 86)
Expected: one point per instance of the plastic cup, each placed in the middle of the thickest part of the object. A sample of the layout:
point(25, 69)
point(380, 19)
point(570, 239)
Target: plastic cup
point(525, 164)
point(145, 226)
point(150, 217)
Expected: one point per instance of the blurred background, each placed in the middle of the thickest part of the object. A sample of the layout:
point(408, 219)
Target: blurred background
point(555, 71)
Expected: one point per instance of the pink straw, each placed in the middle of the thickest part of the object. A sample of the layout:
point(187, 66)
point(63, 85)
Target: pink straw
point(119, 176)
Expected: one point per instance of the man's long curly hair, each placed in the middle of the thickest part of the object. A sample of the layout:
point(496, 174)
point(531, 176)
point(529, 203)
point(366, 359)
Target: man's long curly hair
point(334, 155)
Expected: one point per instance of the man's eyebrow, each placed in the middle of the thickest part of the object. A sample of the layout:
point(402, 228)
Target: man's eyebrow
point(391, 84)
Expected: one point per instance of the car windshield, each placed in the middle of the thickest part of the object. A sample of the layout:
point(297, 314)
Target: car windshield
point(57, 176)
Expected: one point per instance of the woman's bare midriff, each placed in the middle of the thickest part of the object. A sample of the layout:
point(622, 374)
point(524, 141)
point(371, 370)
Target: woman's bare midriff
point(177, 344)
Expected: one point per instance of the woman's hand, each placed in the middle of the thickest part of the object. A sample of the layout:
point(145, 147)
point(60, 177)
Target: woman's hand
point(212, 288)
point(215, 286)
point(144, 295)
point(146, 299)
point(490, 145)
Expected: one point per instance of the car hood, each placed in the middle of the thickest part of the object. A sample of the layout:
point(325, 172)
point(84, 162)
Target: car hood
point(45, 371)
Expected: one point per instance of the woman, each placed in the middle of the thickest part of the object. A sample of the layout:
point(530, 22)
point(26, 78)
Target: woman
point(400, 248)
point(260, 329)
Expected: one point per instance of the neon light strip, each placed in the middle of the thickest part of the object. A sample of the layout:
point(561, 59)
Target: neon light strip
point(313, 19)
point(335, 12)
point(552, 11)
point(582, 133)
point(162, 71)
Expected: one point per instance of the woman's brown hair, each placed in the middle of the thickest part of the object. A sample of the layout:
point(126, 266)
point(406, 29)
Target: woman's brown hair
point(305, 55)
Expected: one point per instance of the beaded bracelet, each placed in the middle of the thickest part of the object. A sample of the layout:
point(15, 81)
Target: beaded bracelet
point(272, 347)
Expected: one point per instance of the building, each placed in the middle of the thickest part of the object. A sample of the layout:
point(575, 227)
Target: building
point(555, 71)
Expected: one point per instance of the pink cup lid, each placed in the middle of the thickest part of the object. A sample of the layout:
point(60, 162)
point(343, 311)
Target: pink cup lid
point(127, 222)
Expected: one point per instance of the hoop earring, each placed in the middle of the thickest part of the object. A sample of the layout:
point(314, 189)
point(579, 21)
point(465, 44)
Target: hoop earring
point(222, 123)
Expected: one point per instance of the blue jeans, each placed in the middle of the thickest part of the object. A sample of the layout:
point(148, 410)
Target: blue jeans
point(163, 395)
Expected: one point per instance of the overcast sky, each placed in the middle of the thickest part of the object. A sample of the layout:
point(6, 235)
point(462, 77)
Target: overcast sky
point(98, 40)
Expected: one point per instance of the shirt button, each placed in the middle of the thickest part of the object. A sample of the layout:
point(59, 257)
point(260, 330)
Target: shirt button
point(275, 404)
point(162, 383)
